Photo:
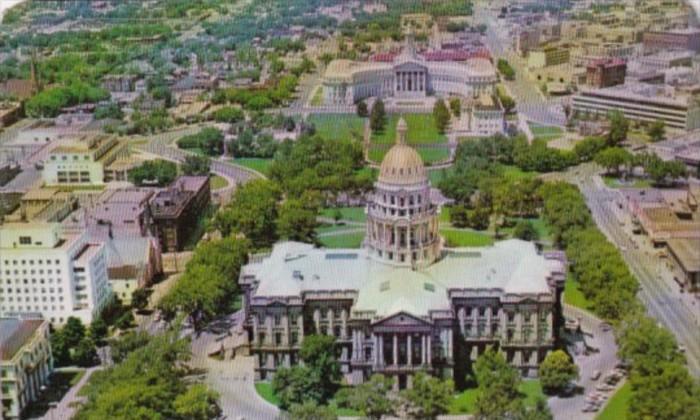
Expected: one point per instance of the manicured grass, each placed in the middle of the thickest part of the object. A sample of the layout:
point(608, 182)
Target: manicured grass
point(421, 130)
point(354, 214)
point(463, 403)
point(573, 295)
point(615, 182)
point(546, 132)
point(514, 173)
point(217, 182)
point(437, 175)
point(616, 408)
point(348, 240)
point(264, 389)
point(317, 99)
point(458, 238)
point(338, 126)
point(258, 164)
point(428, 154)
point(444, 217)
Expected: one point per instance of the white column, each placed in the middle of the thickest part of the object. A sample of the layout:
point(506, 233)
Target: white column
point(381, 349)
point(300, 324)
point(489, 331)
point(475, 321)
point(409, 349)
point(396, 349)
point(518, 326)
point(461, 316)
point(344, 324)
point(429, 349)
point(285, 325)
point(375, 348)
point(256, 336)
point(268, 326)
point(317, 320)
point(330, 322)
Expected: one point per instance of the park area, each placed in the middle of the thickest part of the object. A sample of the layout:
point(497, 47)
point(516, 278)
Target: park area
point(338, 126)
point(546, 133)
point(464, 401)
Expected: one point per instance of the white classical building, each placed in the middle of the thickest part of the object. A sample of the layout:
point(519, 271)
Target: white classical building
point(409, 76)
point(43, 271)
point(403, 303)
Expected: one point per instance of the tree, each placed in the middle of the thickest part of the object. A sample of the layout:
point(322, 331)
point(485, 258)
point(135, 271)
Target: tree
point(84, 354)
point(456, 106)
point(73, 331)
point(311, 411)
point(196, 165)
point(252, 212)
point(362, 109)
point(429, 396)
point(670, 393)
point(441, 115)
point(657, 131)
point(371, 397)
point(125, 321)
point(498, 395)
point(556, 371)
point(111, 110)
point(197, 403)
point(98, 329)
point(613, 158)
point(539, 412)
point(318, 353)
point(525, 230)
point(619, 126)
point(228, 114)
point(158, 171)
point(507, 101)
point(126, 343)
point(140, 297)
point(377, 118)
point(297, 221)
point(209, 140)
point(645, 345)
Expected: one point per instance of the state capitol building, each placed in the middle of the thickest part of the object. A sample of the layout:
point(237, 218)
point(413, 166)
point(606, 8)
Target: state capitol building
point(403, 302)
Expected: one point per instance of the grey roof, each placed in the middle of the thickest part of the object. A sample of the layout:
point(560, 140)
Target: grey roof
point(14, 334)
point(508, 267)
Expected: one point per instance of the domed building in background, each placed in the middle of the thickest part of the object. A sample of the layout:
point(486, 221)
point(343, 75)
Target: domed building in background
point(402, 303)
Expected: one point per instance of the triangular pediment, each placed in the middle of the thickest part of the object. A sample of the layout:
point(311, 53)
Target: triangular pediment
point(401, 319)
point(276, 304)
point(410, 66)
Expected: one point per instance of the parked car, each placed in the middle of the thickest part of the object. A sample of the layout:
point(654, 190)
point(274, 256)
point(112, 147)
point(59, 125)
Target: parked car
point(595, 375)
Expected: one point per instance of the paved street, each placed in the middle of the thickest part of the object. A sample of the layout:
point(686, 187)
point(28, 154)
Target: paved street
point(662, 297)
point(232, 379)
point(603, 359)
point(529, 100)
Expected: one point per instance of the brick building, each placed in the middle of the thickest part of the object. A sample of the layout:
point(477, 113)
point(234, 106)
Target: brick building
point(676, 39)
point(606, 73)
point(175, 210)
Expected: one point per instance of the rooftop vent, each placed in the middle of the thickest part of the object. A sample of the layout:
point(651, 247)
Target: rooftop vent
point(297, 275)
point(384, 286)
point(429, 287)
point(342, 256)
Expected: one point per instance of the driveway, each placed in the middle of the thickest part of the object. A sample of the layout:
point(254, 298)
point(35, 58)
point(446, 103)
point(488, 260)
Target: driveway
point(232, 379)
point(604, 360)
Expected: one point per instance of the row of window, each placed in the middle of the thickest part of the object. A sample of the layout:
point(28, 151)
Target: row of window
point(36, 308)
point(31, 272)
point(31, 262)
point(19, 298)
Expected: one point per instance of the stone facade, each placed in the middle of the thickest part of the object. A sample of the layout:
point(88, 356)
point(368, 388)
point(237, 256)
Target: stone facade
point(402, 303)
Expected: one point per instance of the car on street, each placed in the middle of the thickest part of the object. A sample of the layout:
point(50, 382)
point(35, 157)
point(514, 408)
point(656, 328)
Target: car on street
point(595, 375)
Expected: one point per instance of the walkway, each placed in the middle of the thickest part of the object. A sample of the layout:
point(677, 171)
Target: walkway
point(69, 404)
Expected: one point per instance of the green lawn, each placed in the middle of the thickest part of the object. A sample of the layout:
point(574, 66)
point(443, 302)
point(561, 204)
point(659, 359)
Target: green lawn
point(444, 217)
point(218, 182)
point(546, 133)
point(428, 154)
point(573, 295)
point(514, 173)
point(421, 130)
point(347, 240)
point(354, 214)
point(317, 99)
point(615, 182)
point(338, 126)
point(616, 408)
point(459, 238)
point(463, 403)
point(265, 390)
point(258, 164)
point(437, 175)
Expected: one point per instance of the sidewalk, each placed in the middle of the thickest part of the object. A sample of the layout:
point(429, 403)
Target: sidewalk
point(68, 406)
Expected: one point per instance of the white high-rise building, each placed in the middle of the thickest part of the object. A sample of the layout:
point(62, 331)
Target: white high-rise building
point(43, 271)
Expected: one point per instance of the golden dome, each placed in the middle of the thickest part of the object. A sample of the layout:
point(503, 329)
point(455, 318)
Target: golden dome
point(402, 165)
